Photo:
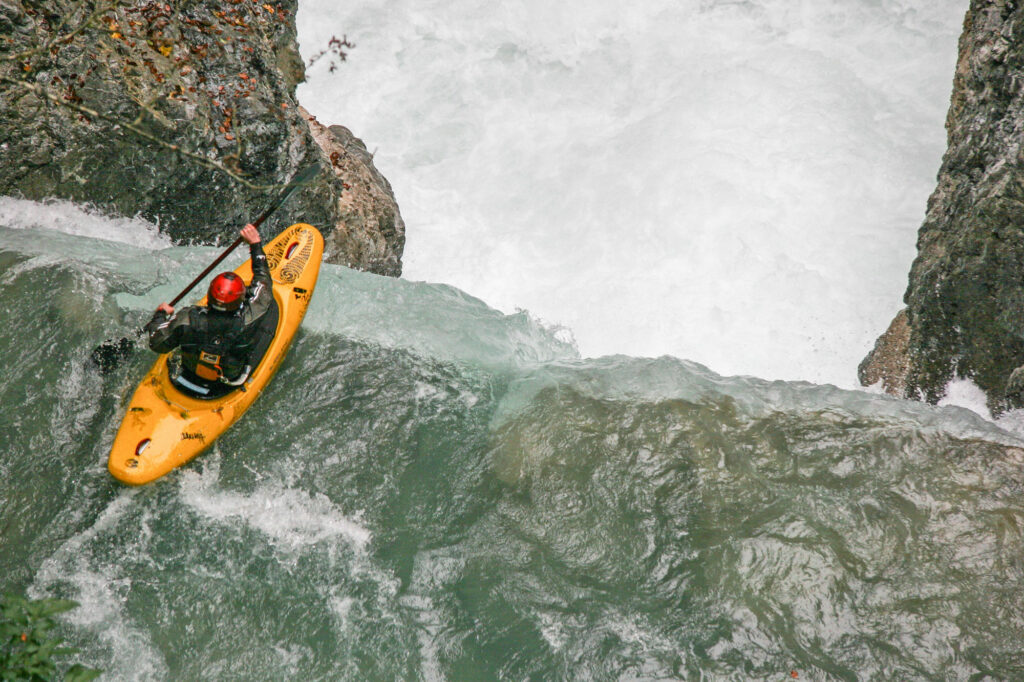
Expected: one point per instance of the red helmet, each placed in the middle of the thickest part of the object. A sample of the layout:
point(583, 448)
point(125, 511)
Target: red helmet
point(226, 292)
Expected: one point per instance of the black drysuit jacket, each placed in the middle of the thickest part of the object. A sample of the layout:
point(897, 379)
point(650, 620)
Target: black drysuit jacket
point(212, 339)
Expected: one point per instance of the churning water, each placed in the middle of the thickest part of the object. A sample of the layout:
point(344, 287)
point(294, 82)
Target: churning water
point(433, 490)
point(737, 183)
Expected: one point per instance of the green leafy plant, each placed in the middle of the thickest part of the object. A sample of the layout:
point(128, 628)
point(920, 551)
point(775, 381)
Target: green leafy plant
point(27, 643)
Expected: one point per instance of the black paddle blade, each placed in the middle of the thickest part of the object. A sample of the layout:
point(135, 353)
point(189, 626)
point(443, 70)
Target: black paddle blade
point(109, 354)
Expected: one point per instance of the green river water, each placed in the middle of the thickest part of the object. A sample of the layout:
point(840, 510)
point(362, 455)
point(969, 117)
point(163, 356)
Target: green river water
point(432, 490)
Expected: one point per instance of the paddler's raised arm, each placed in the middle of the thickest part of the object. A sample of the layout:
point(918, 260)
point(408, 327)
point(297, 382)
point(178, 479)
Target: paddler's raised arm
point(260, 269)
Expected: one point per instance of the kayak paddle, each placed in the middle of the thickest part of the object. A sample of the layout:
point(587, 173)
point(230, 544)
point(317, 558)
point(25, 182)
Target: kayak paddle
point(108, 355)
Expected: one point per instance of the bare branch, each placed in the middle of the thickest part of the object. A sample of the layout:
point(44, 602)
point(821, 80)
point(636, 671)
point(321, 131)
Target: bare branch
point(336, 48)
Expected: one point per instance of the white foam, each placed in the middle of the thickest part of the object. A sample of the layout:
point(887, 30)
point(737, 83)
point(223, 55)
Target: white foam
point(667, 378)
point(436, 320)
point(966, 394)
point(290, 518)
point(737, 183)
point(80, 220)
point(429, 629)
point(342, 607)
point(102, 592)
point(1012, 421)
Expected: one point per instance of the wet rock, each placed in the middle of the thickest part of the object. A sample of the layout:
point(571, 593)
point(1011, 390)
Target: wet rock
point(368, 219)
point(102, 114)
point(888, 361)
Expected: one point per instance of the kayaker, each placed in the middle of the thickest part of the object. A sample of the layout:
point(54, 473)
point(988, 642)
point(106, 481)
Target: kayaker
point(222, 341)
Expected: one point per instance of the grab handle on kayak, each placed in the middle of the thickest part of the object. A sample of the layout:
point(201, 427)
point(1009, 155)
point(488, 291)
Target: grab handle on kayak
point(243, 377)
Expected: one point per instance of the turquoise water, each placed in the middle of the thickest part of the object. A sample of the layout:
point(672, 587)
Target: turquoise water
point(432, 490)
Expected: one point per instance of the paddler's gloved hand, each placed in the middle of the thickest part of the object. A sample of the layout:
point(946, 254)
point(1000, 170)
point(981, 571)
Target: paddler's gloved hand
point(250, 234)
point(162, 314)
point(1015, 384)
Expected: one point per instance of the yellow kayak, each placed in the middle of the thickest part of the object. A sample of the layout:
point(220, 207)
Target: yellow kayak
point(164, 427)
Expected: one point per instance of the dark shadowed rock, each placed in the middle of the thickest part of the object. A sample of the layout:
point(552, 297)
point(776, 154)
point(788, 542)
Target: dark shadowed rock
point(965, 299)
point(215, 79)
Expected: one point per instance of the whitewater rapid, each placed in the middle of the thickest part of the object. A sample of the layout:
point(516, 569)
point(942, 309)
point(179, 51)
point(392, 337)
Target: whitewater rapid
point(738, 184)
point(432, 490)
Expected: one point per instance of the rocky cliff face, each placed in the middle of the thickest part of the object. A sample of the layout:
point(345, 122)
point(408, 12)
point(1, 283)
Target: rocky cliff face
point(368, 220)
point(140, 110)
point(965, 299)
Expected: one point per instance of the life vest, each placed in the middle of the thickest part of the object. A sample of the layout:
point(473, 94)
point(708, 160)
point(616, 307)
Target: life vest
point(219, 346)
